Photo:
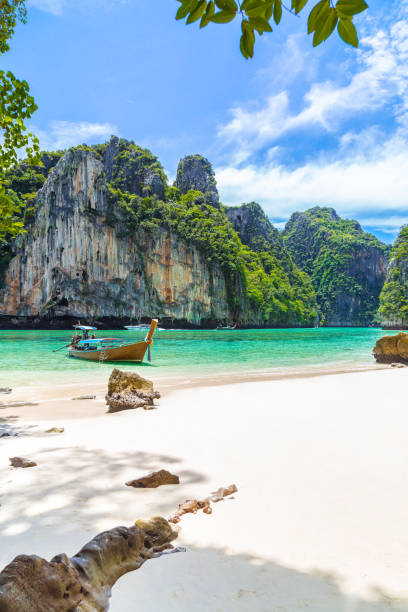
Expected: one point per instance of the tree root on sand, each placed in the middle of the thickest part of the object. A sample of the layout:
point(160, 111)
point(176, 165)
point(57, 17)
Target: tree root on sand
point(83, 582)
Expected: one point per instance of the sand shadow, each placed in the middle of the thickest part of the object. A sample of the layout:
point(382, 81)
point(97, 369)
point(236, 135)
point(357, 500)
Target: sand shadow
point(212, 579)
point(88, 492)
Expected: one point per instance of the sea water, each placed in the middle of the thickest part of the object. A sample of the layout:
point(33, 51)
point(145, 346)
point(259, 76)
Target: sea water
point(27, 357)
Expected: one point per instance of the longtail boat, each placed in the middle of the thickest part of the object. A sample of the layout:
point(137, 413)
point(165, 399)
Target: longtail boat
point(110, 349)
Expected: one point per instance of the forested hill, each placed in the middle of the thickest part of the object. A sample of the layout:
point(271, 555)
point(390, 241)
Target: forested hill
point(347, 265)
point(108, 239)
point(393, 312)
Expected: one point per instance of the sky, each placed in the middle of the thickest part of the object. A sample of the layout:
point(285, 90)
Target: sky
point(293, 128)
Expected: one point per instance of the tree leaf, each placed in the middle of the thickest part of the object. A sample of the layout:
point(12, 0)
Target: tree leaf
point(277, 11)
point(223, 16)
point(242, 47)
point(259, 24)
point(299, 4)
point(315, 14)
point(348, 32)
point(185, 8)
point(351, 7)
point(198, 12)
point(251, 4)
point(208, 14)
point(227, 5)
point(269, 10)
point(325, 27)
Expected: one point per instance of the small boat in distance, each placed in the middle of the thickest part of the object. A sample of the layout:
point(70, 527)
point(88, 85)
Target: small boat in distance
point(227, 327)
point(141, 327)
point(110, 349)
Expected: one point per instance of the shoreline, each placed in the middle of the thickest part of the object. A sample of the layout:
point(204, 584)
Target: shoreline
point(54, 401)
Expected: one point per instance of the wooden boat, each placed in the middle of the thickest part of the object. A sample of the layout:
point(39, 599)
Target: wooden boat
point(111, 349)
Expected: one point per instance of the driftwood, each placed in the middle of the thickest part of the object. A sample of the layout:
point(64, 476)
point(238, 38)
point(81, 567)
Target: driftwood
point(83, 582)
point(194, 505)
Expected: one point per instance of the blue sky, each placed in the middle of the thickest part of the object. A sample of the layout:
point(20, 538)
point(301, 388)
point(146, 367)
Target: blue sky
point(293, 128)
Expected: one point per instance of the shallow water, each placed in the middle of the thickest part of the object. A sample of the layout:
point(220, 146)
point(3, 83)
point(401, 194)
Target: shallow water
point(26, 357)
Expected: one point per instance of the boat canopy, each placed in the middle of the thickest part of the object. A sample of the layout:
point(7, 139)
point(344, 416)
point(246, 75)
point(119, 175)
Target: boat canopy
point(84, 327)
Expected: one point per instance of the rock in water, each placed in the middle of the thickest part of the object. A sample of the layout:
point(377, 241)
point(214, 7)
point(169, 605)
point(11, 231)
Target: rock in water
point(392, 349)
point(21, 462)
point(154, 480)
point(127, 390)
point(83, 582)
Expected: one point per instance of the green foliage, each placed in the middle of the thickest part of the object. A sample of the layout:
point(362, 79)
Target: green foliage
point(258, 16)
point(394, 296)
point(16, 106)
point(18, 193)
point(333, 252)
point(270, 294)
point(133, 168)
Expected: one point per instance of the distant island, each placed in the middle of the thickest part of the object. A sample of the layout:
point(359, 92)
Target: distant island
point(108, 240)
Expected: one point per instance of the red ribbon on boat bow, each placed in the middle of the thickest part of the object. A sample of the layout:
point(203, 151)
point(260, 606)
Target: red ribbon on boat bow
point(149, 352)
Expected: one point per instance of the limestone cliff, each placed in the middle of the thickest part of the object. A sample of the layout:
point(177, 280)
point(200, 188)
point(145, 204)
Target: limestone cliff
point(195, 172)
point(393, 311)
point(71, 263)
point(347, 265)
point(107, 240)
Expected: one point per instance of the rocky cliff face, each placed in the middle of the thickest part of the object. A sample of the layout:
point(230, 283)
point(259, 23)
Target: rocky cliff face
point(393, 311)
point(347, 266)
point(71, 263)
point(256, 231)
point(195, 172)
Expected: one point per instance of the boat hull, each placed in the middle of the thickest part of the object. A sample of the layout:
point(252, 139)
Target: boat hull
point(129, 352)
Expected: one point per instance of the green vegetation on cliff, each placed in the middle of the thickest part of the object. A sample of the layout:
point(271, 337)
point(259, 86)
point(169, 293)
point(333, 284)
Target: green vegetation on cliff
point(272, 297)
point(263, 285)
point(347, 265)
point(393, 311)
point(22, 183)
point(258, 234)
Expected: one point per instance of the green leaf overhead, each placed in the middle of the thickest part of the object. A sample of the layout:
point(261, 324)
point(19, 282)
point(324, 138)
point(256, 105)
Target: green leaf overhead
point(351, 7)
point(348, 32)
point(198, 11)
point(223, 17)
point(325, 26)
point(277, 11)
point(258, 15)
point(206, 18)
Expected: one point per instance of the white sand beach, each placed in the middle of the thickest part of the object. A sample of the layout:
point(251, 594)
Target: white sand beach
point(318, 523)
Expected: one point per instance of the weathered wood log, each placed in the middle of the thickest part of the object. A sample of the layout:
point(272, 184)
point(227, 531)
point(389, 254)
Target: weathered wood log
point(82, 583)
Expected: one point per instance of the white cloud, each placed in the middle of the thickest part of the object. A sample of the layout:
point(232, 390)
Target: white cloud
point(365, 177)
point(382, 76)
point(58, 7)
point(355, 186)
point(64, 134)
point(49, 6)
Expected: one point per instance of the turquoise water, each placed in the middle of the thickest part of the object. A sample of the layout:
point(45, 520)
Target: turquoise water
point(26, 357)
